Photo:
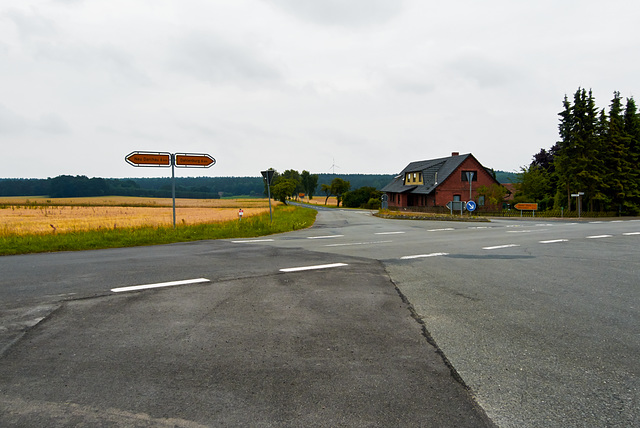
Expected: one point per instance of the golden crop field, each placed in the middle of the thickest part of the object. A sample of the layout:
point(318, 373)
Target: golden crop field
point(22, 216)
point(319, 200)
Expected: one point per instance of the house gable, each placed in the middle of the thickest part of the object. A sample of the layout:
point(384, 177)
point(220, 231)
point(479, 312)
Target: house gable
point(435, 182)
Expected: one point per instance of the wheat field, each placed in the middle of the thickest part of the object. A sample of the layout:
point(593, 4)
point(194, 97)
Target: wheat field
point(24, 216)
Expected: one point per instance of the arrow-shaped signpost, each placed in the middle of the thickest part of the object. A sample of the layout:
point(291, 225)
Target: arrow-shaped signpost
point(165, 159)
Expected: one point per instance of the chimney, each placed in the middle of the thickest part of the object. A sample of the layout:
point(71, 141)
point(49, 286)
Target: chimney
point(455, 153)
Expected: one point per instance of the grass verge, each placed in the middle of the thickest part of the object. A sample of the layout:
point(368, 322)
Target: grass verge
point(285, 219)
point(408, 215)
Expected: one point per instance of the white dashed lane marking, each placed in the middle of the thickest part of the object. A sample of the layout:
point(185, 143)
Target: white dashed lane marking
point(159, 285)
point(419, 256)
point(357, 243)
point(325, 237)
point(553, 241)
point(388, 233)
point(497, 247)
point(315, 267)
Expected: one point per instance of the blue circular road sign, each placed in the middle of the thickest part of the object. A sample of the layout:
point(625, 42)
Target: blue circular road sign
point(471, 206)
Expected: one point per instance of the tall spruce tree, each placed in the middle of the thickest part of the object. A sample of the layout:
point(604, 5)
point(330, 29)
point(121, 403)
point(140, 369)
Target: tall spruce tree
point(632, 130)
point(616, 156)
point(579, 165)
point(563, 154)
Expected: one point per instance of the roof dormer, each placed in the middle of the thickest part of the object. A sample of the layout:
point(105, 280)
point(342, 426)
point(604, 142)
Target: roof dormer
point(413, 178)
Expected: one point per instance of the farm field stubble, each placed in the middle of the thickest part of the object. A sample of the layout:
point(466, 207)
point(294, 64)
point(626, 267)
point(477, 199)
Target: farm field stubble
point(25, 216)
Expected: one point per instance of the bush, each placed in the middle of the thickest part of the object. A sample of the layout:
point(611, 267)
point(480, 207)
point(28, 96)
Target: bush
point(362, 198)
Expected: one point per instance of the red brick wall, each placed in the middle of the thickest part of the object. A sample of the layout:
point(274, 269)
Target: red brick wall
point(454, 185)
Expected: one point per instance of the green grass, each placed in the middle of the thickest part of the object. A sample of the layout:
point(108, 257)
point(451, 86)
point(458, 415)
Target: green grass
point(285, 219)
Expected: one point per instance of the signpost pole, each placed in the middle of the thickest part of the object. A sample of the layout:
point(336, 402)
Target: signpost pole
point(173, 188)
point(578, 195)
point(269, 195)
point(268, 175)
point(166, 159)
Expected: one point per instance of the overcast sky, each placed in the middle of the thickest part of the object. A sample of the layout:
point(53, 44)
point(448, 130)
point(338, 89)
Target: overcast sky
point(365, 85)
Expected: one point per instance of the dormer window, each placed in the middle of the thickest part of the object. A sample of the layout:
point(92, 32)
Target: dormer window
point(413, 178)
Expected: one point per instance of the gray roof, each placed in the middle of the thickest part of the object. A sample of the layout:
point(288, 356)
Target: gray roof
point(441, 168)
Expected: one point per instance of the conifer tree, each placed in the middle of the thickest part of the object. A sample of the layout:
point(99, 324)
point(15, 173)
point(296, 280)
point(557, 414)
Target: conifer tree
point(578, 164)
point(618, 167)
point(632, 131)
point(563, 154)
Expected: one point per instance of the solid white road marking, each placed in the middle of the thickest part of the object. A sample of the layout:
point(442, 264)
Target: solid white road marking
point(324, 237)
point(631, 233)
point(553, 241)
point(500, 246)
point(418, 256)
point(357, 243)
point(599, 236)
point(297, 269)
point(159, 285)
point(248, 241)
point(388, 233)
point(525, 231)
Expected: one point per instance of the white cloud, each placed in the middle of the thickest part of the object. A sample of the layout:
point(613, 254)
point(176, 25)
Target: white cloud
point(32, 24)
point(340, 12)
point(12, 123)
point(217, 61)
point(374, 84)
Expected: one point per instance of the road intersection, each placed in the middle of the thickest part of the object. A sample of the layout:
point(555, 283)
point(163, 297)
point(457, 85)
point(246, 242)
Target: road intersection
point(538, 318)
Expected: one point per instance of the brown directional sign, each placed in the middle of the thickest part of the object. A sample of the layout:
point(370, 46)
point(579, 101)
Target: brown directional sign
point(149, 158)
point(526, 206)
point(194, 160)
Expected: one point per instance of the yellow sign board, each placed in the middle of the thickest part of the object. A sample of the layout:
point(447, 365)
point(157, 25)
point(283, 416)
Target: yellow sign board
point(526, 206)
point(149, 159)
point(194, 159)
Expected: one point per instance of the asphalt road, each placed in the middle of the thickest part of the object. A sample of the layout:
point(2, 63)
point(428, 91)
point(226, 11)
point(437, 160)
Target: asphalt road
point(256, 341)
point(539, 318)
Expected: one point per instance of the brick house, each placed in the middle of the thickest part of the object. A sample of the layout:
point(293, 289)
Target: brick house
point(435, 182)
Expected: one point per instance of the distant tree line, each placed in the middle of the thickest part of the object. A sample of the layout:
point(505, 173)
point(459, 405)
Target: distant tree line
point(186, 187)
point(597, 154)
point(196, 187)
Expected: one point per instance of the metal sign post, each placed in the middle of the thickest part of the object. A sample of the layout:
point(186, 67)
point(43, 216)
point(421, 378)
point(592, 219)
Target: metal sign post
point(578, 195)
point(268, 176)
point(457, 205)
point(166, 159)
point(470, 175)
point(384, 201)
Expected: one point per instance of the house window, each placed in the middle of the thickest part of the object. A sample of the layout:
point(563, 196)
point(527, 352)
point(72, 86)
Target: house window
point(456, 198)
point(481, 201)
point(473, 178)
